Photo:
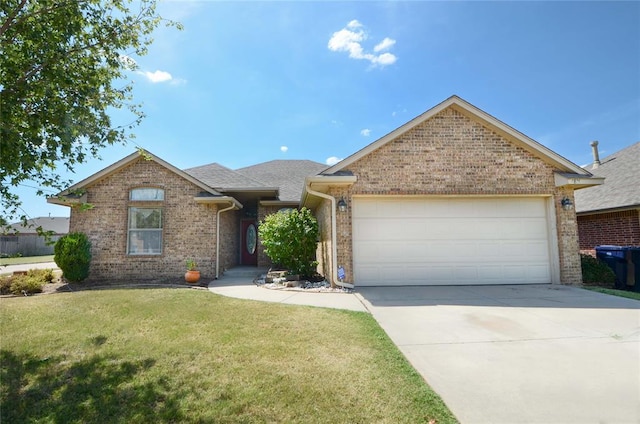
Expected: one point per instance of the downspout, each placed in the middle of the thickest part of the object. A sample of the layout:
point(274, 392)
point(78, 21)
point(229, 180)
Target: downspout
point(233, 206)
point(334, 237)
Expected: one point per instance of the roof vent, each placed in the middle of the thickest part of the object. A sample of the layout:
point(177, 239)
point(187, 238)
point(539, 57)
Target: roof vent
point(596, 156)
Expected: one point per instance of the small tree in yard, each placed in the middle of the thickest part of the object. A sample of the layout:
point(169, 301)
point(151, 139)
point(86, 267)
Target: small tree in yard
point(290, 239)
point(72, 253)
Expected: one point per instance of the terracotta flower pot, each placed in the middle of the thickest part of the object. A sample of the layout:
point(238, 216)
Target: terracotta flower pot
point(192, 277)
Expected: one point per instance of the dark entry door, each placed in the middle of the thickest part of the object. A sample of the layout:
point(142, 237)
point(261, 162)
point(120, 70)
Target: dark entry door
point(249, 243)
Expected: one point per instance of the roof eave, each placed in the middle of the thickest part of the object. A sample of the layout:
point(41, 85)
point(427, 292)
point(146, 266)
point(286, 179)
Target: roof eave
point(322, 183)
point(115, 167)
point(577, 181)
point(213, 200)
point(67, 199)
point(608, 210)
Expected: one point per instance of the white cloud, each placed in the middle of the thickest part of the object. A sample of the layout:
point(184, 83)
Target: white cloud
point(332, 160)
point(157, 76)
point(349, 40)
point(385, 44)
point(284, 149)
point(365, 132)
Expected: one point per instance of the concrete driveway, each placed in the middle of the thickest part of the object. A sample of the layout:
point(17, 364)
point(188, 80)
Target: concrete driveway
point(519, 354)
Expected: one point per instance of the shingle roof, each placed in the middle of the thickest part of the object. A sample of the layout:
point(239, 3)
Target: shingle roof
point(57, 224)
point(221, 178)
point(621, 186)
point(289, 175)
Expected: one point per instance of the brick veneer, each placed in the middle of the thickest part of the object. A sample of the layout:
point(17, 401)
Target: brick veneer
point(615, 228)
point(189, 228)
point(451, 154)
point(229, 240)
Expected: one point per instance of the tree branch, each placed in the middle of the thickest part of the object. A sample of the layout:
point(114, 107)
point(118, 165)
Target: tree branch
point(11, 17)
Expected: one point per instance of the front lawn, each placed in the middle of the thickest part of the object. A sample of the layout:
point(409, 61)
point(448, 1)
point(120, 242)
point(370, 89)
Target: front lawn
point(614, 292)
point(180, 355)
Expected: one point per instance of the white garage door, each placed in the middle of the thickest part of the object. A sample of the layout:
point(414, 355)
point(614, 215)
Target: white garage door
point(450, 241)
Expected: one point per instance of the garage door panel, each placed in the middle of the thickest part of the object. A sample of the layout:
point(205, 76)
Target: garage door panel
point(450, 241)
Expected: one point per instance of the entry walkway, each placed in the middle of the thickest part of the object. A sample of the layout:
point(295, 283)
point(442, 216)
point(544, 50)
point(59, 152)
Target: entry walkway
point(238, 283)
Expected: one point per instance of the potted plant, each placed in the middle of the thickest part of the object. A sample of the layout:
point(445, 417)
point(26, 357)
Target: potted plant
point(193, 275)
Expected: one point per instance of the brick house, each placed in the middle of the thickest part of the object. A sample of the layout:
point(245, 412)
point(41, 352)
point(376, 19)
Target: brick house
point(610, 214)
point(148, 217)
point(454, 196)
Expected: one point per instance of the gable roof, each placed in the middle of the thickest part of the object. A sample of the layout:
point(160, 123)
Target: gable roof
point(111, 169)
point(222, 178)
point(478, 115)
point(289, 175)
point(621, 189)
point(57, 224)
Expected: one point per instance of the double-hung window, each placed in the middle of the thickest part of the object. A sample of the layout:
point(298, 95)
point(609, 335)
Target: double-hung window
point(145, 222)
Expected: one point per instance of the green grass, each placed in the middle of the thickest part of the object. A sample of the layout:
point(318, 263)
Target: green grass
point(180, 355)
point(26, 260)
point(614, 292)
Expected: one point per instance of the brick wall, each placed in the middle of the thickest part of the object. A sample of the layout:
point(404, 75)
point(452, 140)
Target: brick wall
point(615, 228)
point(230, 240)
point(324, 250)
point(452, 154)
point(189, 228)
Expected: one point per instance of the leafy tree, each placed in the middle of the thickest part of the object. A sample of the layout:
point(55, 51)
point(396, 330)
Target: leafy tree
point(290, 239)
point(62, 71)
point(72, 253)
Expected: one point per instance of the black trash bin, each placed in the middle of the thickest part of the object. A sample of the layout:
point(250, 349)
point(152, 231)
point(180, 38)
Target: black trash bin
point(614, 257)
point(635, 258)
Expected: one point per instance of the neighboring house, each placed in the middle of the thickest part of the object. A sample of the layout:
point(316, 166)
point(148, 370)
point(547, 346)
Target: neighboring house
point(452, 197)
point(25, 240)
point(610, 214)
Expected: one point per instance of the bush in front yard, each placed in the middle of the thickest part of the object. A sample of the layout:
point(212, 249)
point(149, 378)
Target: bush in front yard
point(595, 272)
point(31, 282)
point(72, 253)
point(290, 239)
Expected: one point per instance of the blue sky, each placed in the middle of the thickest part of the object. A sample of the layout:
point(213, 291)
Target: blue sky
point(248, 82)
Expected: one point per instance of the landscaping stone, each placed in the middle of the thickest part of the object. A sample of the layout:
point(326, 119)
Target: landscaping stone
point(268, 281)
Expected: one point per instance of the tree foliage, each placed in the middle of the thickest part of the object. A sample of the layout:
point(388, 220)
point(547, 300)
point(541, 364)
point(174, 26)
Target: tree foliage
point(72, 253)
point(63, 70)
point(290, 239)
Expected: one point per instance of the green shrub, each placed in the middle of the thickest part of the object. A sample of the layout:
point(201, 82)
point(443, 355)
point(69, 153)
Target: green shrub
point(31, 282)
point(290, 239)
point(5, 284)
point(46, 275)
point(26, 284)
point(72, 253)
point(595, 272)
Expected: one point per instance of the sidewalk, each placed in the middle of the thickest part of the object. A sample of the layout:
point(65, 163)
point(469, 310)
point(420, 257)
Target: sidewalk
point(10, 269)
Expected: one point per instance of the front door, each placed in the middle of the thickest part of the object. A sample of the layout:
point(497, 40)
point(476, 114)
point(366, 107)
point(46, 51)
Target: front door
point(249, 243)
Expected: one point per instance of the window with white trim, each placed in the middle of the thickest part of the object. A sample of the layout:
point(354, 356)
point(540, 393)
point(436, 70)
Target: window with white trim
point(144, 233)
